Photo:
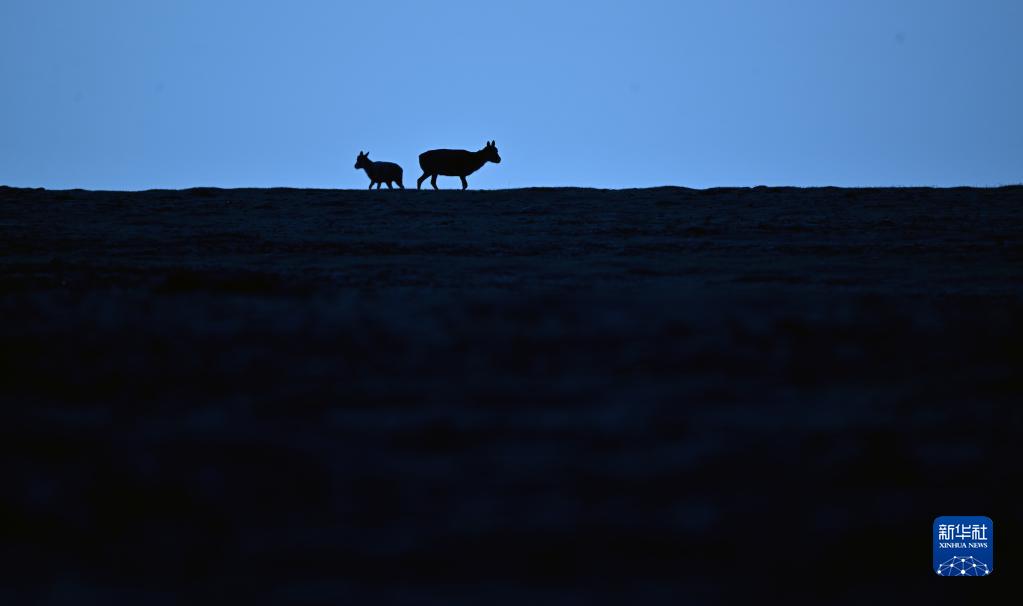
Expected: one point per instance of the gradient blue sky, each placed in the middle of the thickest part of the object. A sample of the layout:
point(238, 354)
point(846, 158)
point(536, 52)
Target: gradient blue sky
point(136, 94)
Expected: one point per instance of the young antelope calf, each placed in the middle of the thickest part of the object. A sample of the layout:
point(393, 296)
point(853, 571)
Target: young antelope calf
point(379, 172)
point(455, 163)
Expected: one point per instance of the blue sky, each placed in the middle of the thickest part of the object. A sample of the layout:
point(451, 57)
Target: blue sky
point(135, 94)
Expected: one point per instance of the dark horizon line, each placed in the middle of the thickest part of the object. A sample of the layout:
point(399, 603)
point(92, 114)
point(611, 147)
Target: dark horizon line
point(528, 188)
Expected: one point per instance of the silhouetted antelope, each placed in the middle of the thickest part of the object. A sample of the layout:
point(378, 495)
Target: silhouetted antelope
point(379, 172)
point(455, 163)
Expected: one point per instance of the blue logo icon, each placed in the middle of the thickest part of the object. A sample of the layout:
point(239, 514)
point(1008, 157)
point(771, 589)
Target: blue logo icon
point(964, 546)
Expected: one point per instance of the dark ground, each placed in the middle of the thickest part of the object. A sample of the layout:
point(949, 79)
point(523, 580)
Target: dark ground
point(550, 396)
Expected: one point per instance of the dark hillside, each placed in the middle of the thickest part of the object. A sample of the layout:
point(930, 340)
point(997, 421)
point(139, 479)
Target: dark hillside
point(525, 396)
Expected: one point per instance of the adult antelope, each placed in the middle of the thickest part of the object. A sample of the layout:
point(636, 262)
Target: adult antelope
point(455, 163)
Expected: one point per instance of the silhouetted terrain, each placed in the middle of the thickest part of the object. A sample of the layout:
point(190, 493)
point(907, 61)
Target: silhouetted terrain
point(545, 396)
